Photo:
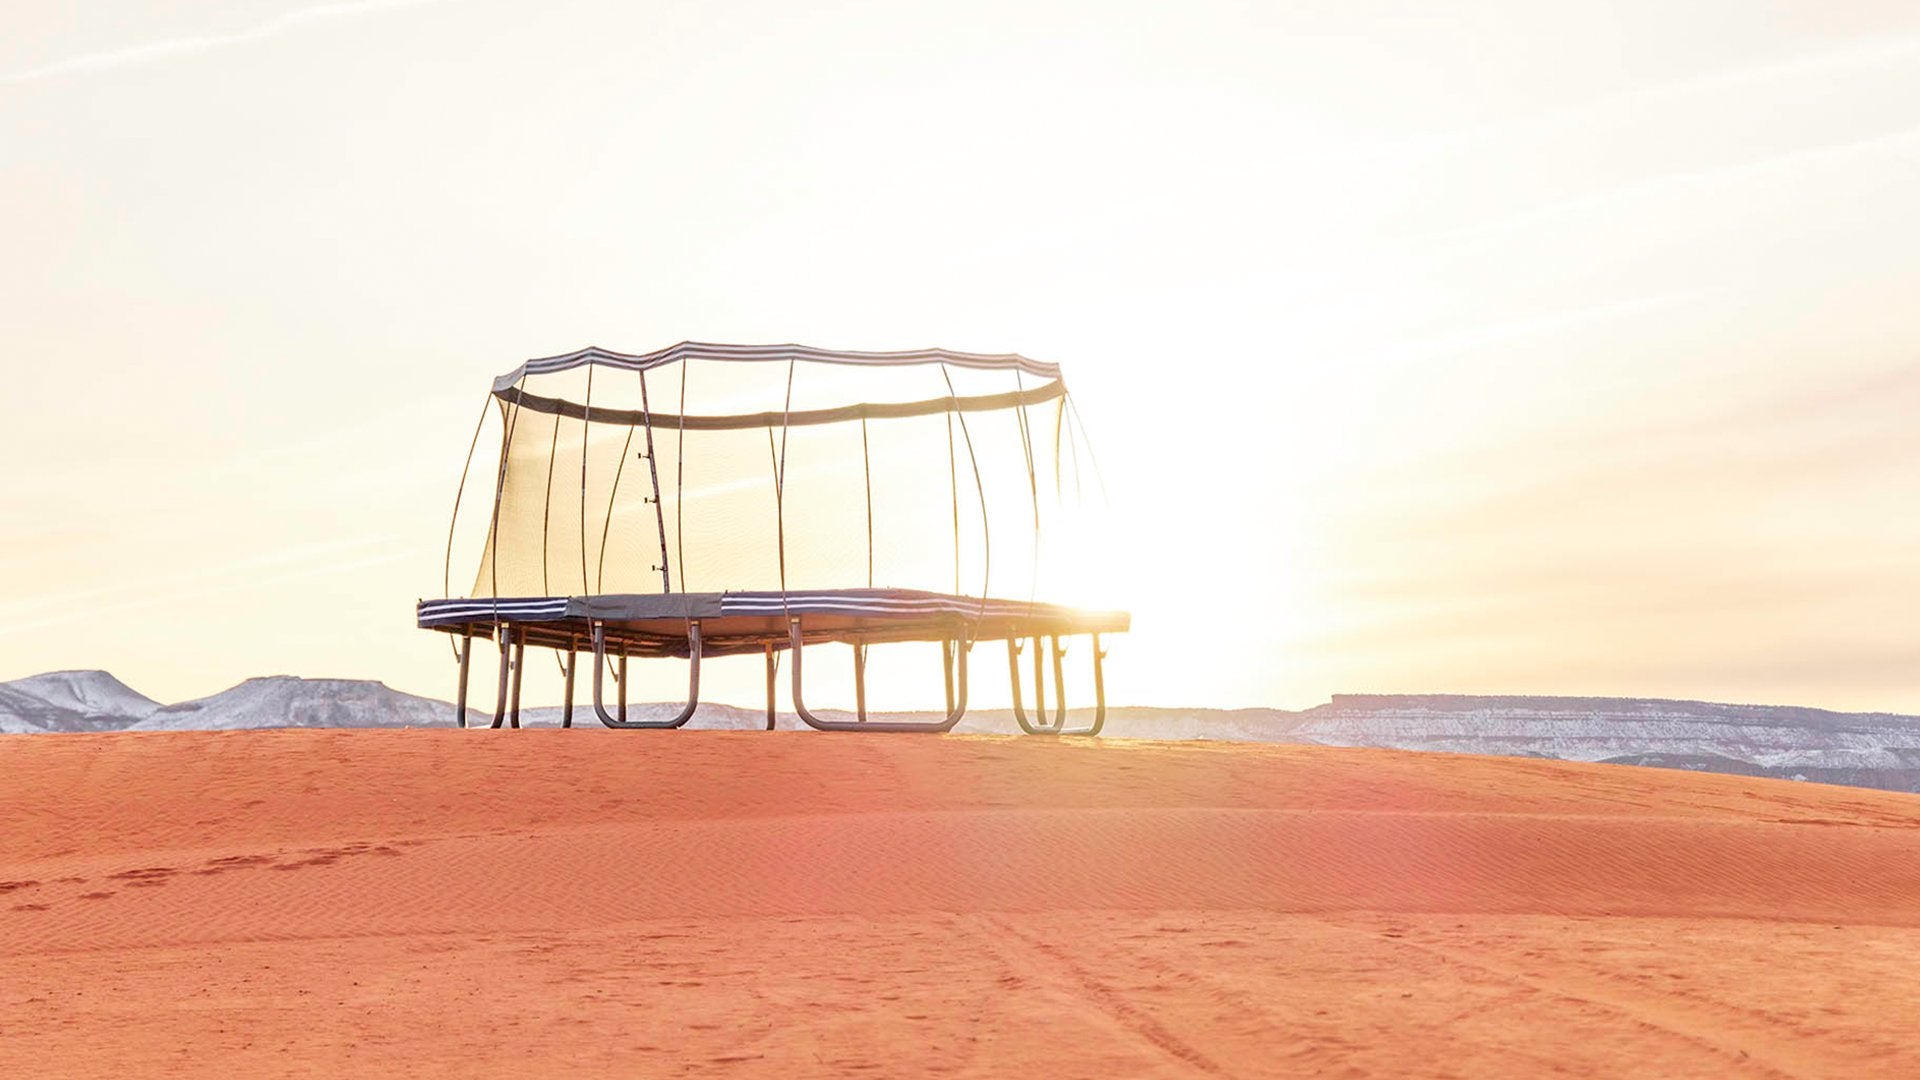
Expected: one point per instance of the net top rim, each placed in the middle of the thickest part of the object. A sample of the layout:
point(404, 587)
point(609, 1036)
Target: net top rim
point(701, 350)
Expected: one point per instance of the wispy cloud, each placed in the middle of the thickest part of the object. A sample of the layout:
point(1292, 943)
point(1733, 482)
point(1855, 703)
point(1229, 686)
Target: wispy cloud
point(305, 555)
point(169, 48)
point(1499, 333)
point(1890, 144)
point(1700, 89)
point(321, 560)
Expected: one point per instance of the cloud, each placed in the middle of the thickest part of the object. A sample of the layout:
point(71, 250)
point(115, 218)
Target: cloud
point(327, 561)
point(168, 48)
point(1890, 144)
point(1499, 333)
point(266, 566)
point(1814, 71)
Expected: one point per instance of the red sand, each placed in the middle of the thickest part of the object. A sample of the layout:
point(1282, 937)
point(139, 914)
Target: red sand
point(354, 903)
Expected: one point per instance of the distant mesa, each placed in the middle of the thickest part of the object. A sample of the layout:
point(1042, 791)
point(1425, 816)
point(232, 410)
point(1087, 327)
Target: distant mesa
point(1877, 750)
point(71, 701)
point(288, 701)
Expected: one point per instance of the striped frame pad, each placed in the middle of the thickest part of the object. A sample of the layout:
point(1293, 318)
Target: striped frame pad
point(748, 621)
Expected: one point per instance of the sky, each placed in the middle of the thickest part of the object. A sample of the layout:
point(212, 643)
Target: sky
point(1488, 347)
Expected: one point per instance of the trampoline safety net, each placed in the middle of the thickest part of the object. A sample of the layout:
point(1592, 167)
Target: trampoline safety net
point(709, 473)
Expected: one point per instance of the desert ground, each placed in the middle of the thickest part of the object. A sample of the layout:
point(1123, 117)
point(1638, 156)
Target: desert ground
point(544, 902)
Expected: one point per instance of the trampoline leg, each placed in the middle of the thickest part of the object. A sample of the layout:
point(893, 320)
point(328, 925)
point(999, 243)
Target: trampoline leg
point(800, 702)
point(620, 679)
point(946, 670)
point(506, 669)
point(566, 706)
point(1040, 688)
point(1059, 685)
point(1040, 693)
point(599, 673)
point(519, 672)
point(1099, 692)
point(1019, 703)
point(859, 682)
point(770, 680)
point(460, 696)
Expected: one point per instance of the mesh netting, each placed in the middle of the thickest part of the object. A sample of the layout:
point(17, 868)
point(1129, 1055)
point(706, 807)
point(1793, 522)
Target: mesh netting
point(719, 468)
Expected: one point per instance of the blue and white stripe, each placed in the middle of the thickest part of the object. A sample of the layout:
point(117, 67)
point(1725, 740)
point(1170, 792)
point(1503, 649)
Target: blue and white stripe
point(487, 609)
point(698, 350)
point(855, 602)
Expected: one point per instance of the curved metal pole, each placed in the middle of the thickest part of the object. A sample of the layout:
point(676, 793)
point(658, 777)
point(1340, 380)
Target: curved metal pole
point(1019, 704)
point(1040, 725)
point(506, 668)
point(1099, 691)
point(599, 668)
point(460, 697)
point(800, 704)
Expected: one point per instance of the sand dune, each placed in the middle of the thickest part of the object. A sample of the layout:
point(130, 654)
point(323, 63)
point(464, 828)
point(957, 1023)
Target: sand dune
point(538, 902)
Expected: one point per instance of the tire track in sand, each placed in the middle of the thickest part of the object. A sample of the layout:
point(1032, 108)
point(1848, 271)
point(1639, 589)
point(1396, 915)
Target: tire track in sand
point(1738, 1043)
point(1026, 955)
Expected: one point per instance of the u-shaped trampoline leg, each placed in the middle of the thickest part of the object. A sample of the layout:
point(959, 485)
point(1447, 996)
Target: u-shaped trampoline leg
point(1099, 691)
point(806, 717)
point(1019, 695)
point(1039, 691)
point(1038, 725)
point(599, 671)
point(460, 695)
point(573, 663)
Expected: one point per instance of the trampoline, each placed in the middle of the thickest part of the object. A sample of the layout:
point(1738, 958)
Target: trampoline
point(724, 500)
